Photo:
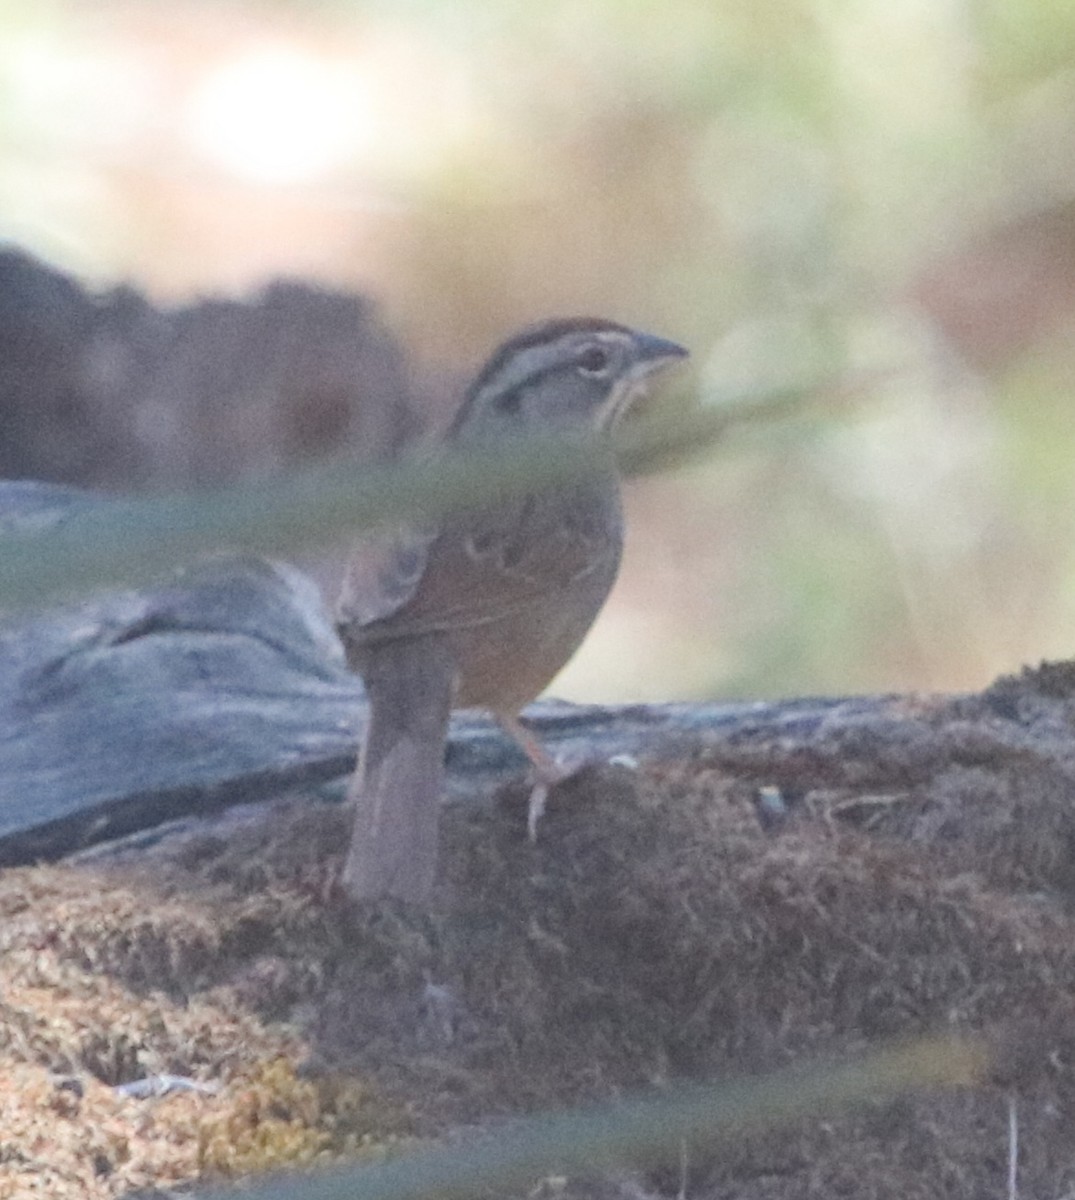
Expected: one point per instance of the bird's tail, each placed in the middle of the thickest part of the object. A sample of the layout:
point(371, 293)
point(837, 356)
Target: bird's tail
point(397, 787)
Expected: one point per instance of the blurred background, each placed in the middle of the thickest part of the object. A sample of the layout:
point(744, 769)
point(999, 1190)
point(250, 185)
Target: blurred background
point(870, 199)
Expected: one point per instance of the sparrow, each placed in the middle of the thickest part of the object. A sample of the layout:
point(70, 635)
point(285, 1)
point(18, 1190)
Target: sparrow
point(481, 609)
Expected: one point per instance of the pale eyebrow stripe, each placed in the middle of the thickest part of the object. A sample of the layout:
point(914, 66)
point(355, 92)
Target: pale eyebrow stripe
point(525, 364)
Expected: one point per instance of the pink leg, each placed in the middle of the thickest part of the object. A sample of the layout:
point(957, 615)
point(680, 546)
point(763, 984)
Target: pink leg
point(547, 770)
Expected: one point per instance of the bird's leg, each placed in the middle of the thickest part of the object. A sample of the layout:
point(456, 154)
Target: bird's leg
point(547, 770)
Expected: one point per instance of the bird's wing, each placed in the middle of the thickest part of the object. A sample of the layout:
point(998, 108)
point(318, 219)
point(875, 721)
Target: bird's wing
point(539, 544)
point(474, 569)
point(485, 567)
point(383, 573)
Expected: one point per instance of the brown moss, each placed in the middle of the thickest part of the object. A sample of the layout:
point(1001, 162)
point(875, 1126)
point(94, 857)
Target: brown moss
point(657, 931)
point(71, 1029)
point(277, 1120)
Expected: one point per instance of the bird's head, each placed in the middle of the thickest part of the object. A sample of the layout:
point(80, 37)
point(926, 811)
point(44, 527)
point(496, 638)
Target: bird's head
point(576, 371)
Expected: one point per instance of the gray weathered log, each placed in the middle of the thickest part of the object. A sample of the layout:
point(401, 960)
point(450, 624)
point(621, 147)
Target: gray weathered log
point(223, 684)
point(226, 684)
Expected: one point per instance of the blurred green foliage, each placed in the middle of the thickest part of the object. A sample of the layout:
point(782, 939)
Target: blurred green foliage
point(639, 1131)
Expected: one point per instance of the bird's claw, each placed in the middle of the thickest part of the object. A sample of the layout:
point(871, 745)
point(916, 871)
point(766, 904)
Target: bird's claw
point(535, 809)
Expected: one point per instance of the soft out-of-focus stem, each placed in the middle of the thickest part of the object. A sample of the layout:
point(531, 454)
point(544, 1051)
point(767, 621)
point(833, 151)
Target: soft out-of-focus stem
point(644, 1129)
point(123, 542)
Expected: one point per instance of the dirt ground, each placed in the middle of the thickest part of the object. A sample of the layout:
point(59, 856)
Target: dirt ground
point(666, 926)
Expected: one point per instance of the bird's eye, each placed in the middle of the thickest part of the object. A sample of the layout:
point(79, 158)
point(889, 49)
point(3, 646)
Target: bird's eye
point(593, 360)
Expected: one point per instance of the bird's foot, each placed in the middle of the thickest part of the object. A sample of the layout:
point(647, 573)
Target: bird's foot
point(535, 809)
point(551, 774)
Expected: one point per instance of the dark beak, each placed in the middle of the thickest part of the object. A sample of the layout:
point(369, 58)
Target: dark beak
point(653, 353)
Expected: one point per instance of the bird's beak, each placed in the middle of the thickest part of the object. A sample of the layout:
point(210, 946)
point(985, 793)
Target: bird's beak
point(654, 353)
